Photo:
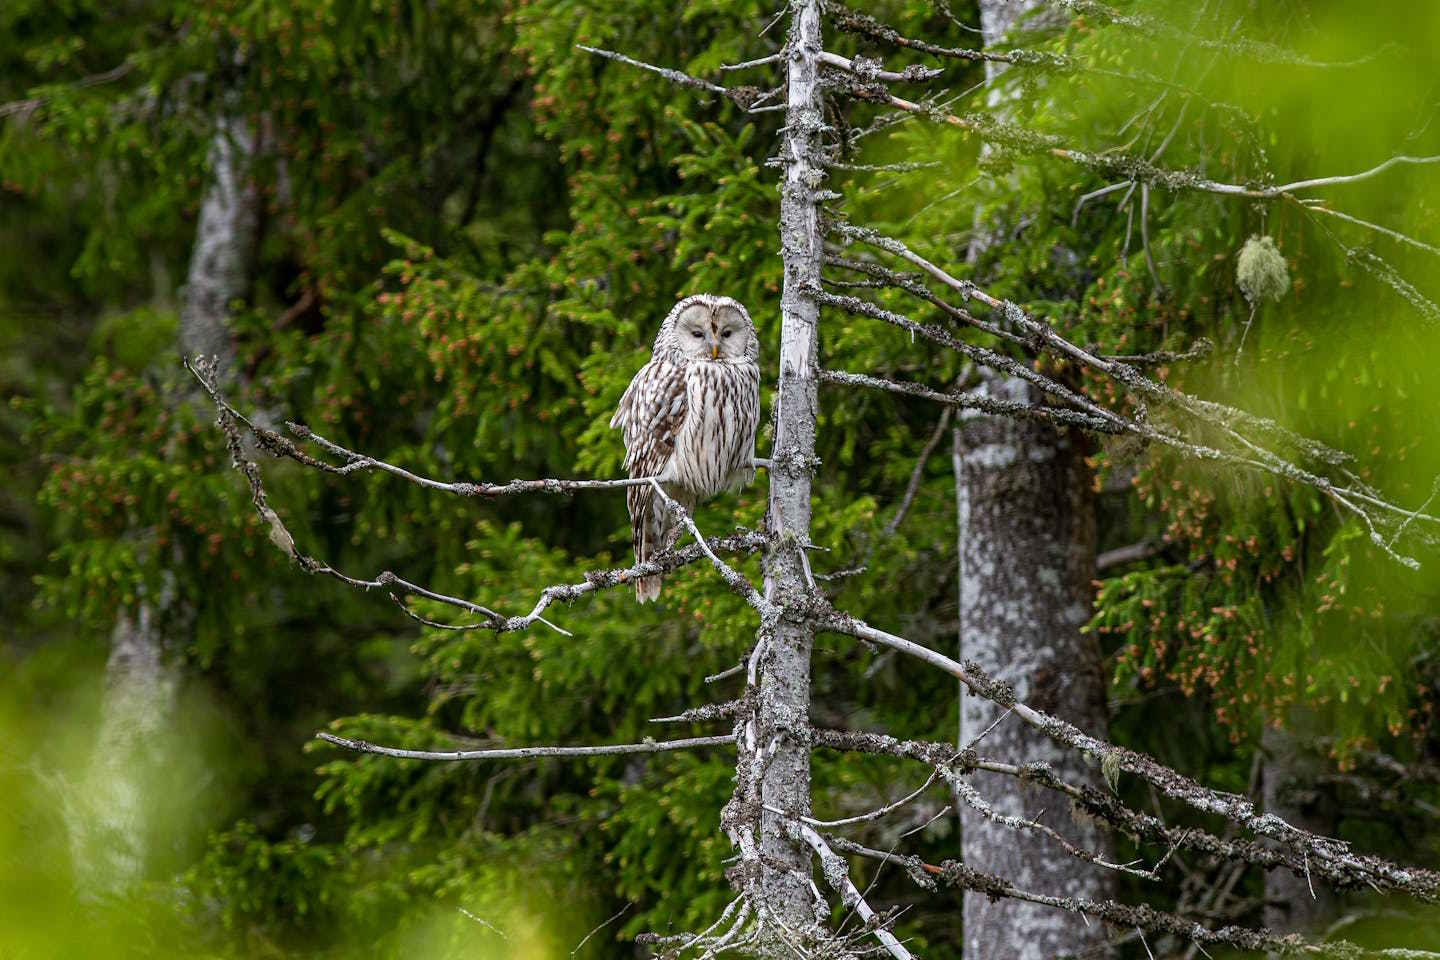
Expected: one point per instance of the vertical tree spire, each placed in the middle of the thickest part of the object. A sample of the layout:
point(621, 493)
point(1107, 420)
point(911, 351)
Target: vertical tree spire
point(783, 667)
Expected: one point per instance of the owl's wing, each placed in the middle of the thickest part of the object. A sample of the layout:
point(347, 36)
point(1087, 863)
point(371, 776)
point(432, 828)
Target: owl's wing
point(650, 415)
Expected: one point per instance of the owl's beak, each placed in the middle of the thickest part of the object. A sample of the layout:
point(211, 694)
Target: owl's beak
point(714, 351)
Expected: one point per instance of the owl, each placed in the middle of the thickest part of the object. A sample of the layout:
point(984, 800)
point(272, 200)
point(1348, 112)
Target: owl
point(688, 419)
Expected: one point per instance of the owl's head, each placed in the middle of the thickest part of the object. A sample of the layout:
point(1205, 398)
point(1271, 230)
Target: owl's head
point(705, 327)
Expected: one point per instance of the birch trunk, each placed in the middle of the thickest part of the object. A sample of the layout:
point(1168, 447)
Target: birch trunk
point(112, 834)
point(1027, 546)
point(782, 717)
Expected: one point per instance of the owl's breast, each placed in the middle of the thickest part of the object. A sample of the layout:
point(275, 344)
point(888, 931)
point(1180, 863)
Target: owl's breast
point(716, 445)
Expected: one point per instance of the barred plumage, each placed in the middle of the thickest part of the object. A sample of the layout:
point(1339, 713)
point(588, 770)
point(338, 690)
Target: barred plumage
point(689, 418)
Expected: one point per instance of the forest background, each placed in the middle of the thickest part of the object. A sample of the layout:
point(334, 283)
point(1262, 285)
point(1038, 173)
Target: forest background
point(465, 232)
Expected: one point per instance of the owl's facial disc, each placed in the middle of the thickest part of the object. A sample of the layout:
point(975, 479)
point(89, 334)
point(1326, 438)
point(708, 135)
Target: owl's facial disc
point(712, 332)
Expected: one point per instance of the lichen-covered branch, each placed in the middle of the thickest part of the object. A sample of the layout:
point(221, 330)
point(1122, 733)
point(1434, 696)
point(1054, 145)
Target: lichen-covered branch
point(953, 873)
point(1331, 858)
point(520, 753)
point(229, 420)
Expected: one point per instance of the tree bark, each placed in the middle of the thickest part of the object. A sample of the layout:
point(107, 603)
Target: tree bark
point(1027, 555)
point(1027, 540)
point(220, 262)
point(782, 715)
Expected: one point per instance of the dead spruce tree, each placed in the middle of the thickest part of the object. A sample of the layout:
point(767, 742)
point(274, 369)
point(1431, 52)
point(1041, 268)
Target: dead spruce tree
point(789, 868)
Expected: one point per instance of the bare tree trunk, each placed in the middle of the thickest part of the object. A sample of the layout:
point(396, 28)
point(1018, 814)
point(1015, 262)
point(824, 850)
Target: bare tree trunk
point(224, 244)
point(782, 717)
point(1294, 904)
point(111, 835)
point(111, 829)
point(1027, 547)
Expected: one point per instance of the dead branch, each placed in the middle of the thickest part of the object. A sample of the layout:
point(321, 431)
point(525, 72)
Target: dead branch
point(956, 874)
point(1330, 858)
point(518, 753)
point(997, 406)
point(228, 418)
point(837, 875)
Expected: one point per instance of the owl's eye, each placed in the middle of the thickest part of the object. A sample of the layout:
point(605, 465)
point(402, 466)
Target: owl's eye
point(727, 333)
point(696, 334)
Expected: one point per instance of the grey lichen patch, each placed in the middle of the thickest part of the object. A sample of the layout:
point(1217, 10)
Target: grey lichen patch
point(1261, 271)
point(996, 691)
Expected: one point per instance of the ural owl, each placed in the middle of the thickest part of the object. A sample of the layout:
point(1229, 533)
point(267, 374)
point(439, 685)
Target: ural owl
point(689, 419)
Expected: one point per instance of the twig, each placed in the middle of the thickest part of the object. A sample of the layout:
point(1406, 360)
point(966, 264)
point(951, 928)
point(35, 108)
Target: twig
point(1203, 348)
point(602, 926)
point(484, 923)
point(726, 673)
point(873, 814)
point(918, 473)
point(760, 62)
point(732, 579)
point(975, 741)
point(360, 462)
point(1095, 195)
point(674, 76)
point(1386, 231)
point(1376, 170)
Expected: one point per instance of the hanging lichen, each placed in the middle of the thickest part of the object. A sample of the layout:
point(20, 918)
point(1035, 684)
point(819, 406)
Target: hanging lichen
point(1261, 271)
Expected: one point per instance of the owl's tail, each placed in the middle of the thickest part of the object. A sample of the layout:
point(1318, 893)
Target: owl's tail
point(648, 588)
point(647, 528)
point(654, 532)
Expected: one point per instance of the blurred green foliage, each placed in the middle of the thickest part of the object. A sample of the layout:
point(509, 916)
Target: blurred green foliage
point(470, 231)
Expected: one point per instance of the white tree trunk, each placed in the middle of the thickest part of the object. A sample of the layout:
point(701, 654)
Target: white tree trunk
point(1027, 526)
point(109, 814)
point(224, 244)
point(1027, 547)
point(110, 822)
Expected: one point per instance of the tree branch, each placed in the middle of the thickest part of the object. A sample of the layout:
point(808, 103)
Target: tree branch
point(517, 753)
point(1332, 857)
point(745, 542)
point(996, 406)
point(955, 873)
point(838, 876)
